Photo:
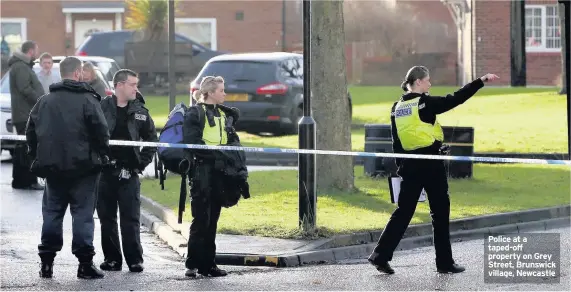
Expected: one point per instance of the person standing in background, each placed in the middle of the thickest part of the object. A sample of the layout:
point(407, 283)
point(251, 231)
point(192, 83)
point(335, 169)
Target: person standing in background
point(90, 76)
point(46, 76)
point(25, 89)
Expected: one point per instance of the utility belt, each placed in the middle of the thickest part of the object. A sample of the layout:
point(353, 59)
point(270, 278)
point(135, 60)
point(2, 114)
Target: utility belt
point(116, 168)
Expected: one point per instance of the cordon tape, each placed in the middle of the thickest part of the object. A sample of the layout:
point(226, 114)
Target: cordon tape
point(322, 152)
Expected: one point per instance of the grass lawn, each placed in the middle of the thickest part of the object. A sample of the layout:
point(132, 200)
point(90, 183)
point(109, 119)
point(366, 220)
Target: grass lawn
point(505, 119)
point(272, 209)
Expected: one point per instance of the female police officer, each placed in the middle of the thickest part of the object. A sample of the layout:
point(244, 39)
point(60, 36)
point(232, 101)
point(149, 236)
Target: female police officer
point(206, 127)
point(416, 131)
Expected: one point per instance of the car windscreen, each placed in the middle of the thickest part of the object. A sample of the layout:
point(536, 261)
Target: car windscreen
point(236, 71)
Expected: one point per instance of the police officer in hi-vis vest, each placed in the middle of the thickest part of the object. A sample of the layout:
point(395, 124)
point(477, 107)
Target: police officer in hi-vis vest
point(207, 127)
point(415, 130)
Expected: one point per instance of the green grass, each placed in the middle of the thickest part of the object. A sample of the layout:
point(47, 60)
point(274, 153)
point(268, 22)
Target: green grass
point(272, 209)
point(505, 119)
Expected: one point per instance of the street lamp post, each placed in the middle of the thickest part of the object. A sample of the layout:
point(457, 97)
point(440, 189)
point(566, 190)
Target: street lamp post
point(306, 162)
point(566, 5)
point(171, 58)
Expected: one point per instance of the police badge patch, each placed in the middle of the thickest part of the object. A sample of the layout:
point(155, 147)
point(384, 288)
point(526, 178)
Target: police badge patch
point(140, 117)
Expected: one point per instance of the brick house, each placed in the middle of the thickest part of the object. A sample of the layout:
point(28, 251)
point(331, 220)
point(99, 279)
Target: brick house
point(60, 27)
point(241, 26)
point(487, 46)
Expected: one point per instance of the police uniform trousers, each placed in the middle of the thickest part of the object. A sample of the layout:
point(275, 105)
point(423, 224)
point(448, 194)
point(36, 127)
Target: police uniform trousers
point(122, 194)
point(81, 195)
point(205, 211)
point(417, 174)
point(21, 175)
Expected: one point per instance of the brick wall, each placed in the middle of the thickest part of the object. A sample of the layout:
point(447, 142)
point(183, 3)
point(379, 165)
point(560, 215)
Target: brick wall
point(260, 30)
point(492, 46)
point(45, 22)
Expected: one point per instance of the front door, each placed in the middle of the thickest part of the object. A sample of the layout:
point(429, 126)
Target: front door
point(83, 28)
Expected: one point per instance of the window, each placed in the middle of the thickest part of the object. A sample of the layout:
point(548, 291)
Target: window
point(200, 30)
point(542, 29)
point(14, 31)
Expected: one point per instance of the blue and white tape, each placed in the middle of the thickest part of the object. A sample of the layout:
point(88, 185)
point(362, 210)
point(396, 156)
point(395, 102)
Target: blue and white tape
point(323, 152)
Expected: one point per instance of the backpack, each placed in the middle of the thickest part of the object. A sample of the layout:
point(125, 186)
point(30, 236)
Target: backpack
point(174, 160)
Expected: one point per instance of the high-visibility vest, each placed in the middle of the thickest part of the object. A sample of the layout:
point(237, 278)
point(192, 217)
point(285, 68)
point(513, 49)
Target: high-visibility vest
point(412, 131)
point(215, 135)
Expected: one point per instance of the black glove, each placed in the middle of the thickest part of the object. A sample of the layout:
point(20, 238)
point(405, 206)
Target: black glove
point(445, 149)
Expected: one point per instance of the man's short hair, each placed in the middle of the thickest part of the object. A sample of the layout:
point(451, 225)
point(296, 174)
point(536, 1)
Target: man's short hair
point(27, 46)
point(69, 65)
point(45, 56)
point(122, 76)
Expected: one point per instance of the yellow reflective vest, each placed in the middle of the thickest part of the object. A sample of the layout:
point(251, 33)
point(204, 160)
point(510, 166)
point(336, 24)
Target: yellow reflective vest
point(215, 135)
point(412, 131)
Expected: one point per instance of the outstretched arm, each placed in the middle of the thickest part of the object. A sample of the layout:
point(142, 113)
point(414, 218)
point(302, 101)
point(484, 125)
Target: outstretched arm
point(441, 104)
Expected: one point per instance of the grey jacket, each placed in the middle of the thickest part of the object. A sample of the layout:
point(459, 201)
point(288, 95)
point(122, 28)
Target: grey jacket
point(25, 87)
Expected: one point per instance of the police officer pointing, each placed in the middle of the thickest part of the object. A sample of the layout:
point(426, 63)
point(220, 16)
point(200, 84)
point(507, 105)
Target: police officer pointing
point(128, 120)
point(415, 130)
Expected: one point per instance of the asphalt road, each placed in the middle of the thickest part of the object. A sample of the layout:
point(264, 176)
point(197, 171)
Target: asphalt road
point(164, 270)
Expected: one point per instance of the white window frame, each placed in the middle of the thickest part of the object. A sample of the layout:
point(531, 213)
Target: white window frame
point(211, 21)
point(542, 48)
point(23, 25)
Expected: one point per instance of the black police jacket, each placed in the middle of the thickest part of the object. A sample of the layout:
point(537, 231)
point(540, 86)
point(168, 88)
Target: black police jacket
point(141, 127)
point(67, 133)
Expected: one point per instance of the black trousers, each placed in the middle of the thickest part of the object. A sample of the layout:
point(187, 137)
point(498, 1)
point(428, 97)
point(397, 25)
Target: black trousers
point(21, 175)
point(205, 210)
point(125, 195)
point(81, 195)
point(417, 174)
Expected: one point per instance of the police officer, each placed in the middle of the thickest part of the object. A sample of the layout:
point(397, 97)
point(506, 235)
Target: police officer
point(68, 138)
point(415, 130)
point(206, 182)
point(128, 120)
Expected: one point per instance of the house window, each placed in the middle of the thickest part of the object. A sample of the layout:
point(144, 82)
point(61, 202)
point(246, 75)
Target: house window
point(14, 31)
point(199, 30)
point(542, 29)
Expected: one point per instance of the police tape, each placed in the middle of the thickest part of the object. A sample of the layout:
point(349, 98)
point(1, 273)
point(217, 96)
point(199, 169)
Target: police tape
point(323, 152)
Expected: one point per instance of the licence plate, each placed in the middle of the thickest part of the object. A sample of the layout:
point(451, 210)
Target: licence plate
point(236, 97)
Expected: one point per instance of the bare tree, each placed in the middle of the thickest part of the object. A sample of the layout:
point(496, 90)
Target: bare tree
point(329, 91)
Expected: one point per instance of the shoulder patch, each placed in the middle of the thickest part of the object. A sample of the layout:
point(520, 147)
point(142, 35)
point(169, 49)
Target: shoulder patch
point(140, 117)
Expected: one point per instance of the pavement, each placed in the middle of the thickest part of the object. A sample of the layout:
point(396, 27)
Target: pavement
point(164, 268)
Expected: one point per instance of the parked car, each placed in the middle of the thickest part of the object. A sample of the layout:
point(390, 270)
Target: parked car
point(107, 66)
point(6, 127)
point(112, 45)
point(267, 88)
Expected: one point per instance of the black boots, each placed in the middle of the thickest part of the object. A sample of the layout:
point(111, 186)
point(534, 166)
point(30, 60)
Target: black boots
point(212, 272)
point(382, 267)
point(110, 266)
point(46, 269)
point(454, 268)
point(88, 270)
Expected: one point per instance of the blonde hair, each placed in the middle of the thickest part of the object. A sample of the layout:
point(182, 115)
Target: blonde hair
point(209, 84)
point(88, 66)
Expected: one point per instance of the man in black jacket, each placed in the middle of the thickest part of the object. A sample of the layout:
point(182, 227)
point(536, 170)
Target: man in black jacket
point(68, 138)
point(128, 120)
point(25, 89)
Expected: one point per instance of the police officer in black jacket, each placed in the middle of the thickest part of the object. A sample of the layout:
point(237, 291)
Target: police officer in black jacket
point(128, 120)
point(68, 139)
point(415, 130)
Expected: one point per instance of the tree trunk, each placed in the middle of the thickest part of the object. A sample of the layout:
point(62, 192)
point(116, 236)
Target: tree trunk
point(329, 94)
point(564, 84)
